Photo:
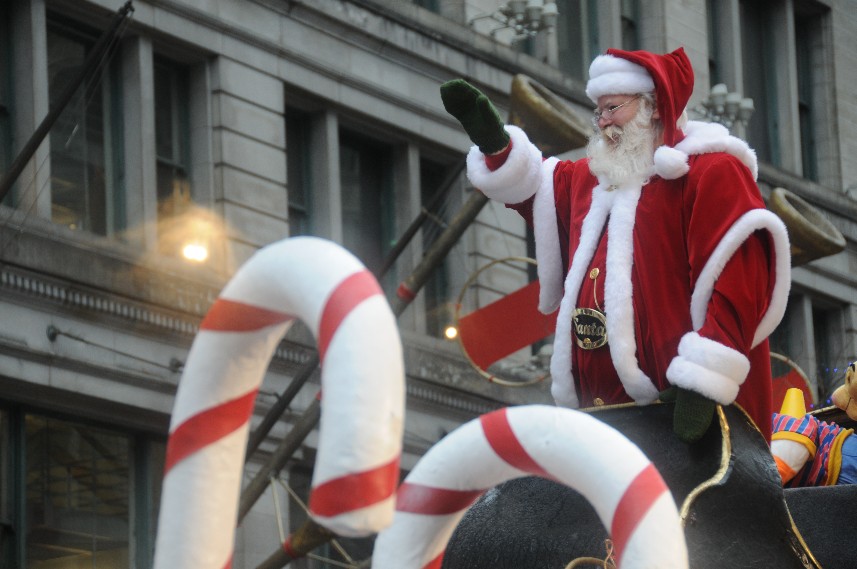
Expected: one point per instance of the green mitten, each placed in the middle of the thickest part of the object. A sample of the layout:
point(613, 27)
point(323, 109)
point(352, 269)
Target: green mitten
point(476, 114)
point(693, 414)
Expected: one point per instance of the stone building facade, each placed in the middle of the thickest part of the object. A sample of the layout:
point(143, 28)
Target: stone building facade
point(243, 122)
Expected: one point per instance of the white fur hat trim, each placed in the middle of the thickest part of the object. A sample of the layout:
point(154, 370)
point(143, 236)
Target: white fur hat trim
point(611, 75)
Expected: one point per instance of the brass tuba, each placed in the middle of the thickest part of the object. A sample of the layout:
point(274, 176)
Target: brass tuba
point(551, 123)
point(554, 127)
point(812, 236)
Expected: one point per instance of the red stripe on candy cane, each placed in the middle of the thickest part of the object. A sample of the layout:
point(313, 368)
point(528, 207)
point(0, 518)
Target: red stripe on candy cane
point(355, 491)
point(433, 501)
point(502, 439)
point(345, 298)
point(233, 316)
point(635, 503)
point(436, 562)
point(208, 427)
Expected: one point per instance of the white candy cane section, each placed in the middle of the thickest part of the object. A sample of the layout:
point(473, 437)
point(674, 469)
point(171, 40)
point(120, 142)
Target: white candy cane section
point(568, 446)
point(363, 406)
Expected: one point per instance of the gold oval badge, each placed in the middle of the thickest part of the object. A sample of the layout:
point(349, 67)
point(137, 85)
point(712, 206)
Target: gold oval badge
point(590, 328)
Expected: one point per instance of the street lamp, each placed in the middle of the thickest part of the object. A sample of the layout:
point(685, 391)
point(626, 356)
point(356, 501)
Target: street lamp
point(726, 108)
point(526, 17)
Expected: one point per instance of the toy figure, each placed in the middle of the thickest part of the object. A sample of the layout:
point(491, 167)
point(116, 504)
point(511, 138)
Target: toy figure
point(810, 452)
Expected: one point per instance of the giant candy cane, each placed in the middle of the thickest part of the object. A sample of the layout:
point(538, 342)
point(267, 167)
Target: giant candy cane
point(362, 415)
point(568, 446)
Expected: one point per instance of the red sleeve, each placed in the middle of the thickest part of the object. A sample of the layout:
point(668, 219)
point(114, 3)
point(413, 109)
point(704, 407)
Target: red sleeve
point(741, 295)
point(494, 161)
point(722, 191)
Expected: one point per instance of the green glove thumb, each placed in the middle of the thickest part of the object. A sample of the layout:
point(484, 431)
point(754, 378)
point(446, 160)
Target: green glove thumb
point(692, 416)
point(476, 113)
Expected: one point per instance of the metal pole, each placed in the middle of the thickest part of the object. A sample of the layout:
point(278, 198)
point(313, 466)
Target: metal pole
point(409, 288)
point(93, 60)
point(309, 536)
point(279, 407)
point(287, 447)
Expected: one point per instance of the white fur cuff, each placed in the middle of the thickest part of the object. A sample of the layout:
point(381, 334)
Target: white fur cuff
point(708, 368)
point(517, 179)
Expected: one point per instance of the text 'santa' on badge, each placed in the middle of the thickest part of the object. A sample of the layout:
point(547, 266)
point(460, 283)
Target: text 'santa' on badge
point(590, 328)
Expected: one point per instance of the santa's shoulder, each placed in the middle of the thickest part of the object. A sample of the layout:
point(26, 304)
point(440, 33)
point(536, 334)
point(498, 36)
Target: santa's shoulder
point(702, 138)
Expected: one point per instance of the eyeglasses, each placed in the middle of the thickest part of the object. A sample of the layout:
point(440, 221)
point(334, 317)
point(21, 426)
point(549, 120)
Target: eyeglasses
point(610, 111)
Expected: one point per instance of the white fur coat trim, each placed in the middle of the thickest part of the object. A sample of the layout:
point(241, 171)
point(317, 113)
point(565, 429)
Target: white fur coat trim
point(702, 138)
point(618, 295)
point(562, 382)
point(517, 179)
point(708, 368)
point(751, 221)
point(548, 253)
point(621, 206)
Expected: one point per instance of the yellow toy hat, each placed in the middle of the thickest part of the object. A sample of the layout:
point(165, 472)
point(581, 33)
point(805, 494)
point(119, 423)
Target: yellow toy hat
point(793, 403)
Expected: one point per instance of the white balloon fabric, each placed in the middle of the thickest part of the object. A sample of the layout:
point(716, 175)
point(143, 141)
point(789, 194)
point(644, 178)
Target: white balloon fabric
point(561, 444)
point(362, 377)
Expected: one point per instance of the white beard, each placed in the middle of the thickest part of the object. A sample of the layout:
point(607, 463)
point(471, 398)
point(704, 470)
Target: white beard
point(624, 156)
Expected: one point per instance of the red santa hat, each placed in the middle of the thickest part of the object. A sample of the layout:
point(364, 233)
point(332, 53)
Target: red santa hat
point(668, 76)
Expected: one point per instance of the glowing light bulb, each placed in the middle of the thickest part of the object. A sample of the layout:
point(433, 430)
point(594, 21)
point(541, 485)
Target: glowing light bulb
point(451, 332)
point(195, 251)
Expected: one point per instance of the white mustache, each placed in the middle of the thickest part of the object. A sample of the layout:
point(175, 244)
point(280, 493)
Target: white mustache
point(613, 133)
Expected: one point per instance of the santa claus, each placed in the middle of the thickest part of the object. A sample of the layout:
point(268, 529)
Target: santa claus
point(666, 268)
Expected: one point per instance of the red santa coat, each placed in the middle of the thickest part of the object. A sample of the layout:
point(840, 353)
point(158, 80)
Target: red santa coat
point(694, 272)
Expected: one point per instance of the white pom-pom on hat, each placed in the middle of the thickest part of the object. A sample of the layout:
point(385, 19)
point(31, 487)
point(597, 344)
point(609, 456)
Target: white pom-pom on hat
point(670, 163)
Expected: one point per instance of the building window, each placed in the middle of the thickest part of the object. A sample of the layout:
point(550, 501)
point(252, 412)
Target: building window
point(299, 171)
point(5, 93)
point(8, 552)
point(86, 162)
point(630, 25)
point(437, 295)
point(79, 500)
point(759, 65)
point(577, 36)
point(367, 198)
point(433, 5)
point(805, 106)
point(831, 360)
point(715, 71)
point(812, 59)
point(172, 138)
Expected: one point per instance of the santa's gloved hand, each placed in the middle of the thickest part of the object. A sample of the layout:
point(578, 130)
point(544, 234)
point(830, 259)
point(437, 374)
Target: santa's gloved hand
point(476, 114)
point(692, 415)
